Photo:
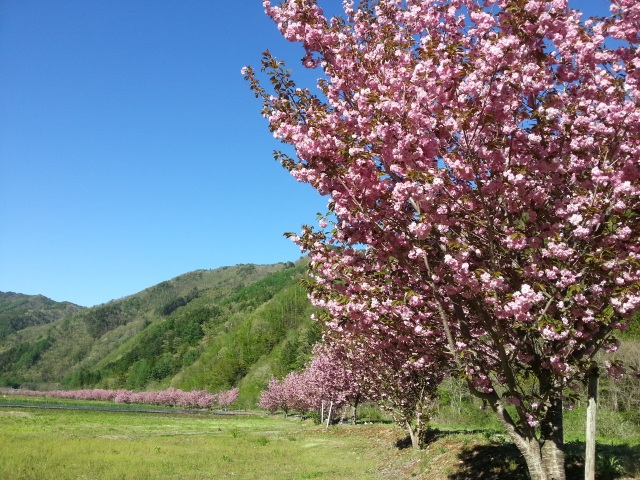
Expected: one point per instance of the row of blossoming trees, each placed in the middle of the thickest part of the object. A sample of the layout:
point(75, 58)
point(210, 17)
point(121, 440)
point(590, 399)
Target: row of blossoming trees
point(340, 375)
point(171, 397)
point(480, 158)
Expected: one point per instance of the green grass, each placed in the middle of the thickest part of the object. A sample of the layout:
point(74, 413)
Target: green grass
point(71, 444)
point(612, 427)
point(43, 444)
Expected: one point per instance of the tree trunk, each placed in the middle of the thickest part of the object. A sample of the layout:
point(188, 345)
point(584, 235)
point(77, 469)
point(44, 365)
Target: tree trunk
point(533, 458)
point(590, 454)
point(614, 389)
point(355, 411)
point(415, 440)
point(544, 456)
point(528, 447)
point(552, 441)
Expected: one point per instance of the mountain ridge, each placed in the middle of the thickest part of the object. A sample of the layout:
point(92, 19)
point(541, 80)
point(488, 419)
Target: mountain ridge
point(19, 311)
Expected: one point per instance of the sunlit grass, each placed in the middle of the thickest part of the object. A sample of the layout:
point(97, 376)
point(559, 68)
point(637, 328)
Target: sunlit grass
point(62, 444)
point(43, 444)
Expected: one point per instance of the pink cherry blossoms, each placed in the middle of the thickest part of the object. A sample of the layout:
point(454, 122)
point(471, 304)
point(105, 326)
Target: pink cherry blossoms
point(324, 380)
point(480, 160)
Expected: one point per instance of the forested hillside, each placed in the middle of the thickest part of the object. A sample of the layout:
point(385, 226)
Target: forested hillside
point(208, 329)
point(18, 311)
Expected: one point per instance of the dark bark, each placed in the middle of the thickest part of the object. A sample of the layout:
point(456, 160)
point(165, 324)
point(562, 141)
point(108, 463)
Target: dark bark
point(355, 411)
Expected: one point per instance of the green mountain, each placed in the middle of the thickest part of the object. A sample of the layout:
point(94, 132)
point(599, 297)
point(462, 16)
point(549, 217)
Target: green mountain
point(18, 311)
point(208, 329)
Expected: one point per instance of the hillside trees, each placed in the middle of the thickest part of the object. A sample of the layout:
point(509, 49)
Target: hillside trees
point(18, 311)
point(161, 350)
point(481, 163)
point(172, 334)
point(257, 332)
point(103, 318)
point(264, 328)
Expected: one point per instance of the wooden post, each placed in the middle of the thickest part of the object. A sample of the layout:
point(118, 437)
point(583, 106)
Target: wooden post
point(590, 454)
point(329, 414)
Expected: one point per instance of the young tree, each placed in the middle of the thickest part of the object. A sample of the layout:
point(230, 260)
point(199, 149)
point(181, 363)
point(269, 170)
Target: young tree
point(226, 397)
point(486, 154)
point(397, 377)
point(274, 398)
point(294, 393)
point(330, 380)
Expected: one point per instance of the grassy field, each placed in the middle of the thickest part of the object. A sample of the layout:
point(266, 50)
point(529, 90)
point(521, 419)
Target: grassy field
point(71, 444)
point(42, 444)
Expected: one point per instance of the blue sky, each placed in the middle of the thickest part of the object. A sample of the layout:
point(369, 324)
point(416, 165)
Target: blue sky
point(131, 149)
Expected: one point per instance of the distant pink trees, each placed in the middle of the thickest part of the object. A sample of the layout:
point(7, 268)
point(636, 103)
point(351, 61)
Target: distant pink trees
point(226, 398)
point(399, 379)
point(171, 397)
point(329, 379)
point(274, 398)
point(324, 382)
point(96, 394)
point(297, 392)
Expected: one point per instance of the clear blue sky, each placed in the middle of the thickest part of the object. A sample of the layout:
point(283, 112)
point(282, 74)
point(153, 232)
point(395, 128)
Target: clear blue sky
point(131, 149)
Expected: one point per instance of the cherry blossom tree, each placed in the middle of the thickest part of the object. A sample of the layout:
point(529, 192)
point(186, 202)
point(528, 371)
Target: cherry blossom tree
point(273, 398)
point(227, 397)
point(329, 379)
point(289, 394)
point(482, 156)
point(400, 378)
point(323, 381)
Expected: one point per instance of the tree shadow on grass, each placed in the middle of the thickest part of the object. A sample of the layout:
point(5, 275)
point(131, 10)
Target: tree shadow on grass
point(403, 443)
point(503, 461)
point(494, 461)
point(432, 435)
